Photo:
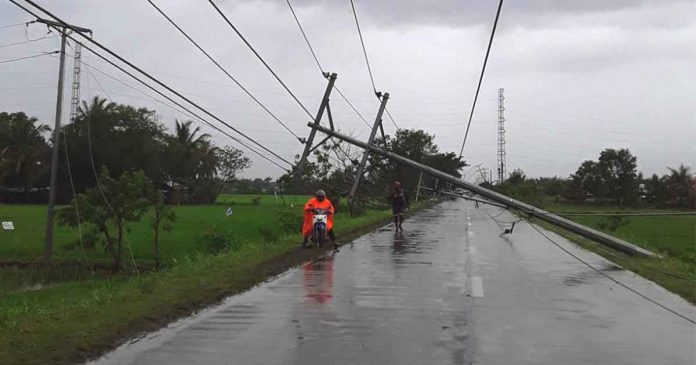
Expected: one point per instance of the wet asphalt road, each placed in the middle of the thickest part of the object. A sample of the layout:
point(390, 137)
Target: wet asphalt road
point(449, 290)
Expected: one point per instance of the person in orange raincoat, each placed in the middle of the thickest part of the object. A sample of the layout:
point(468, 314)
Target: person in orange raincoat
point(318, 202)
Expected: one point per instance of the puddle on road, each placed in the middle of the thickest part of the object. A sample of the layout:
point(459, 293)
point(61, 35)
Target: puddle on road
point(585, 276)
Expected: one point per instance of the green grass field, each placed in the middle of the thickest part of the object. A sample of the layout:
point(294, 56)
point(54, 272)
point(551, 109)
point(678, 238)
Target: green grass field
point(267, 200)
point(25, 243)
point(673, 236)
point(72, 320)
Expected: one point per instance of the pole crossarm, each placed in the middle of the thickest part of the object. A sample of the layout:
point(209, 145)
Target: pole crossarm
point(533, 211)
point(54, 24)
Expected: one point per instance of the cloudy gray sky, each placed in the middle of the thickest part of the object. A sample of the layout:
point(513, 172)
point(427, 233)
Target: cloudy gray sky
point(579, 76)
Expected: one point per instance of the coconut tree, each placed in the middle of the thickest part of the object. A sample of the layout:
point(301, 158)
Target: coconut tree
point(680, 185)
point(182, 151)
point(98, 107)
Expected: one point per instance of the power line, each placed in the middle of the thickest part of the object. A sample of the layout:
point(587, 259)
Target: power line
point(634, 291)
point(362, 42)
point(367, 62)
point(656, 214)
point(157, 81)
point(189, 112)
point(305, 36)
point(15, 25)
point(223, 69)
point(321, 69)
point(483, 70)
point(26, 41)
point(29, 57)
point(94, 168)
point(391, 118)
point(219, 11)
point(352, 107)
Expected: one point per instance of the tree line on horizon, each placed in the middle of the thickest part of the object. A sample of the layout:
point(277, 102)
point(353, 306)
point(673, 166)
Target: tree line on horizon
point(185, 162)
point(613, 179)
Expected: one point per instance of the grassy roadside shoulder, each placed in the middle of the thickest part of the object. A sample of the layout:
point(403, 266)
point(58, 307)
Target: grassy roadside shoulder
point(77, 321)
point(671, 273)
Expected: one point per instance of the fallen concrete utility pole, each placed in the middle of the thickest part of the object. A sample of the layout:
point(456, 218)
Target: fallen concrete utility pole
point(465, 197)
point(569, 225)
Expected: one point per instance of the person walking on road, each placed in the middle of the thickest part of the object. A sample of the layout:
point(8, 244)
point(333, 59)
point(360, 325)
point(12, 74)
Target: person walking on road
point(400, 203)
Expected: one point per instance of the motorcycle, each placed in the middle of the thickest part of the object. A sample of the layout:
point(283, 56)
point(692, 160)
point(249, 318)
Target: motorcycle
point(320, 227)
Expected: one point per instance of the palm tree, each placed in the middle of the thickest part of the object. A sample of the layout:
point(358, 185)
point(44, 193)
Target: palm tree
point(184, 151)
point(99, 106)
point(187, 138)
point(22, 149)
point(208, 157)
point(680, 185)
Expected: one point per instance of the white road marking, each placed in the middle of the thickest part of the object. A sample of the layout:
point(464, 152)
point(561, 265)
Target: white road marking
point(476, 287)
point(472, 250)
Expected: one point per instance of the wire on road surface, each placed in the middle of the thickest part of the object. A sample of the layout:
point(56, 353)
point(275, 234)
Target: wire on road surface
point(634, 291)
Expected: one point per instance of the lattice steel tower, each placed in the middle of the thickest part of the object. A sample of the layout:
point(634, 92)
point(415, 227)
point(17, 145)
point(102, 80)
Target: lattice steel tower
point(77, 71)
point(502, 173)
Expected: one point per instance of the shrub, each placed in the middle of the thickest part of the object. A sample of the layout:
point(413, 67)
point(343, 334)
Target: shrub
point(268, 234)
point(218, 239)
point(290, 222)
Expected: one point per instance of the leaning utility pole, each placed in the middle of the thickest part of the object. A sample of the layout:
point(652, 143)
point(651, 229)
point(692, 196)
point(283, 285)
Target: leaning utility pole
point(323, 106)
point(361, 168)
point(64, 29)
point(501, 137)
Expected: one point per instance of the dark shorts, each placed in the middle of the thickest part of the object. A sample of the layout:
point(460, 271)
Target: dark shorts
point(398, 210)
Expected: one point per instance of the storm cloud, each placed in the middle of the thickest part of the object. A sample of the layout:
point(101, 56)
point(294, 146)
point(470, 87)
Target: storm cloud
point(579, 76)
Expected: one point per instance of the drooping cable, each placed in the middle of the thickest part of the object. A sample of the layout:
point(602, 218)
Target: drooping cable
point(483, 71)
point(362, 42)
point(304, 35)
point(391, 118)
point(207, 55)
point(29, 57)
point(227, 20)
point(94, 168)
point(367, 62)
point(15, 25)
point(190, 113)
point(187, 111)
point(146, 74)
point(352, 107)
point(634, 291)
point(321, 69)
point(26, 41)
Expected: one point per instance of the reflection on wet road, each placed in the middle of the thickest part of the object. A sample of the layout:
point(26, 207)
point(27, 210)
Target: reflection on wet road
point(449, 290)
